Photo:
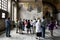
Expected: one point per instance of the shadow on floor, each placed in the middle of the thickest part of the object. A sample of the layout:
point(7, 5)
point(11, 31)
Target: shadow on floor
point(56, 38)
point(47, 33)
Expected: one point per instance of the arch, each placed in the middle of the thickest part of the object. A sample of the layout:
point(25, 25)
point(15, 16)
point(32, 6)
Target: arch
point(55, 11)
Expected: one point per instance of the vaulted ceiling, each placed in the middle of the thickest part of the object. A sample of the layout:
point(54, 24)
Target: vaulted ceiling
point(30, 0)
point(54, 1)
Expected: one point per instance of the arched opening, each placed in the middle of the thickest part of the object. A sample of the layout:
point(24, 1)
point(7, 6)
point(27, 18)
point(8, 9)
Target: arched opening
point(51, 7)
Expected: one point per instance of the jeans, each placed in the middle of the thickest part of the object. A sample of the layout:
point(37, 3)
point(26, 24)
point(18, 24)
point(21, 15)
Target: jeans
point(43, 32)
point(7, 31)
point(23, 27)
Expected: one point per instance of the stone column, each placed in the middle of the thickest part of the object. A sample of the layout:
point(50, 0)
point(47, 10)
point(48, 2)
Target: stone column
point(17, 6)
point(10, 8)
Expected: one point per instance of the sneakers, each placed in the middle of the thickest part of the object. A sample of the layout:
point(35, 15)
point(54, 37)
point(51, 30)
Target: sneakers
point(37, 37)
point(8, 36)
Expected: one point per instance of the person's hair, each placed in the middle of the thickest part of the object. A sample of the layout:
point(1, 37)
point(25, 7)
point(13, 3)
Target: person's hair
point(8, 17)
point(28, 20)
point(43, 17)
point(36, 21)
point(31, 20)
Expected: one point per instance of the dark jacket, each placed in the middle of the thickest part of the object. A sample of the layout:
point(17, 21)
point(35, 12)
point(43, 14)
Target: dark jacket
point(51, 26)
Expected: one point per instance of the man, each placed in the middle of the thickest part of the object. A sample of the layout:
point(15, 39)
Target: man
point(8, 27)
point(44, 25)
point(20, 23)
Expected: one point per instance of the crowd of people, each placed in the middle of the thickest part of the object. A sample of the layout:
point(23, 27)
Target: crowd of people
point(25, 25)
point(37, 27)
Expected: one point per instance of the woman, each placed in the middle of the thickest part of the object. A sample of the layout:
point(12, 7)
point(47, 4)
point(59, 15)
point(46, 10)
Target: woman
point(51, 27)
point(38, 29)
point(28, 26)
point(25, 24)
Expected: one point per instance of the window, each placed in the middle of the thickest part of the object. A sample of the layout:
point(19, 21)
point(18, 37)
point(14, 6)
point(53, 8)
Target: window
point(15, 0)
point(4, 4)
point(0, 7)
point(0, 4)
point(0, 1)
point(4, 0)
point(3, 15)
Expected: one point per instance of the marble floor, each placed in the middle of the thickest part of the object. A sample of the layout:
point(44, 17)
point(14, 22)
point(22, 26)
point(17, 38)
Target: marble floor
point(17, 36)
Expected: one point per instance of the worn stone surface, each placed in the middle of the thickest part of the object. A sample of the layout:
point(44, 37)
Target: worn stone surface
point(17, 36)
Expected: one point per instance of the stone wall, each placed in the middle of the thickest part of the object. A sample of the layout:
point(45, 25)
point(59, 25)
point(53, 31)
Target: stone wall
point(2, 24)
point(25, 14)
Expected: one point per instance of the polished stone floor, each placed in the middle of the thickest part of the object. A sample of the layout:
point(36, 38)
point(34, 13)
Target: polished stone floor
point(17, 36)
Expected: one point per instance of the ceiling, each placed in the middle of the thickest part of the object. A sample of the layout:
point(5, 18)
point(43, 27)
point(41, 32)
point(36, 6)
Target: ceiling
point(30, 0)
point(54, 1)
